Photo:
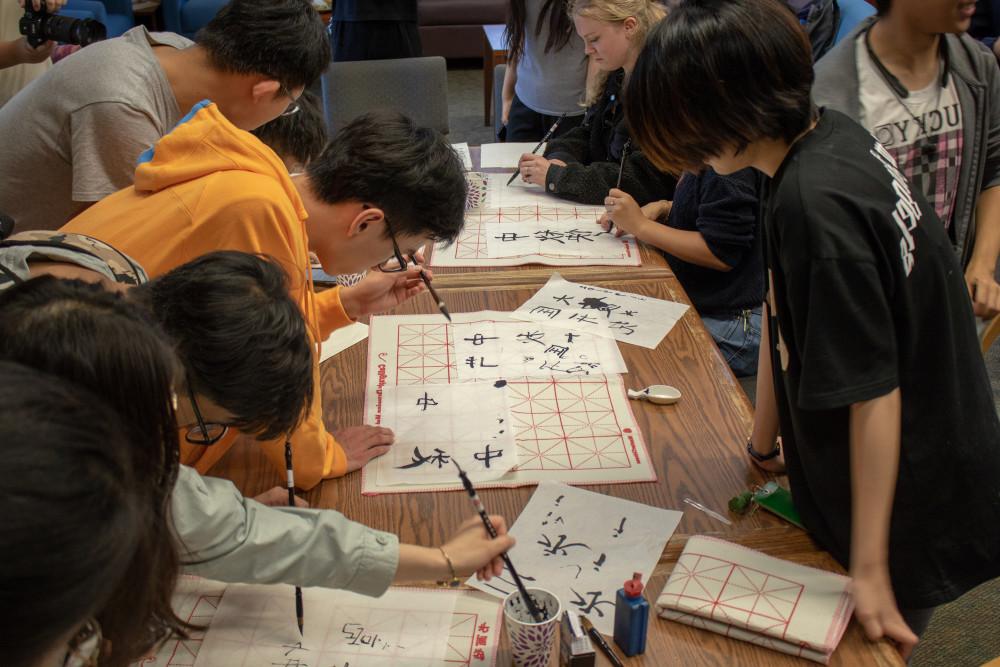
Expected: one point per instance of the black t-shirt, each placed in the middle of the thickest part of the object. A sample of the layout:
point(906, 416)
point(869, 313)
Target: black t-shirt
point(869, 296)
point(724, 210)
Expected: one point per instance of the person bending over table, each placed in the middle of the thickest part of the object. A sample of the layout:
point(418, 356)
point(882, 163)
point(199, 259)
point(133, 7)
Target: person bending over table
point(77, 504)
point(710, 234)
point(105, 343)
point(73, 137)
point(298, 136)
point(52, 334)
point(876, 377)
point(383, 186)
point(583, 164)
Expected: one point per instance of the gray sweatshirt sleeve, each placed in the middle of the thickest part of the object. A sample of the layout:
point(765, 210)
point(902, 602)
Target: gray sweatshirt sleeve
point(228, 537)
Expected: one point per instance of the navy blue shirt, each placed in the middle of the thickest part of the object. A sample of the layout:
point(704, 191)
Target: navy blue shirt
point(725, 211)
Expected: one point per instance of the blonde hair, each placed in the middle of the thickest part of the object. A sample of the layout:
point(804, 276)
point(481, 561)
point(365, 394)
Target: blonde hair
point(647, 14)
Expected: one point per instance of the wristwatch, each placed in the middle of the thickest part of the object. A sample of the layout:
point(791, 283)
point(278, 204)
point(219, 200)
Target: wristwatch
point(760, 458)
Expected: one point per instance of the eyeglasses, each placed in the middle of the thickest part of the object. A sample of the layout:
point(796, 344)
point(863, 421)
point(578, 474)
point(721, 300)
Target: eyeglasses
point(293, 106)
point(84, 648)
point(396, 263)
point(203, 434)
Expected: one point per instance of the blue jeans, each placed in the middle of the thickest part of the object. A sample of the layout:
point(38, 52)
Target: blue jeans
point(738, 338)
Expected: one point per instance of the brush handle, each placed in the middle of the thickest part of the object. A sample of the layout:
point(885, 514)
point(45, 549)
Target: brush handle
point(548, 135)
point(290, 483)
point(437, 297)
point(535, 612)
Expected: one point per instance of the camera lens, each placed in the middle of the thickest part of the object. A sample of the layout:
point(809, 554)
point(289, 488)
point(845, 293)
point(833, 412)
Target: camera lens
point(73, 31)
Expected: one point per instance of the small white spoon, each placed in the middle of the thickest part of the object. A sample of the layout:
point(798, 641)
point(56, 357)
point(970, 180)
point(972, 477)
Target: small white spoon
point(660, 394)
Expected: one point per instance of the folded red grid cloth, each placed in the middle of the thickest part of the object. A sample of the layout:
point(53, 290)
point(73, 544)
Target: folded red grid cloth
point(750, 596)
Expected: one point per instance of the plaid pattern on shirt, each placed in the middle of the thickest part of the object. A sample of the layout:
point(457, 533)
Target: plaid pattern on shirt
point(921, 129)
point(932, 165)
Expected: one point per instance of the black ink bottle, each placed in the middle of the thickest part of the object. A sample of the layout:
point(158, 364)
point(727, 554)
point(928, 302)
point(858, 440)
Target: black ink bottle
point(631, 617)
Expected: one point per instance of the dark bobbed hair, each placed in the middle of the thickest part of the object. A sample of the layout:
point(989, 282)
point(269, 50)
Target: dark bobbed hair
point(242, 340)
point(73, 515)
point(718, 75)
point(80, 333)
point(412, 173)
point(300, 136)
point(283, 40)
point(552, 16)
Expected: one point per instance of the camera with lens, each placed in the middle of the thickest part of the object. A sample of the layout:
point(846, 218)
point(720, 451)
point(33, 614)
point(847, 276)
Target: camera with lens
point(39, 26)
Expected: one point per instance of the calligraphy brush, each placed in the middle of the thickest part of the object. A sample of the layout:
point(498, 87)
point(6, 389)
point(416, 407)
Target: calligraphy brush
point(618, 185)
point(589, 628)
point(290, 483)
point(539, 615)
point(430, 288)
point(548, 135)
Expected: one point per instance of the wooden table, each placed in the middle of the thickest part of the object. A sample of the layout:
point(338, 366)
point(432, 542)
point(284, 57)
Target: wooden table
point(494, 53)
point(696, 446)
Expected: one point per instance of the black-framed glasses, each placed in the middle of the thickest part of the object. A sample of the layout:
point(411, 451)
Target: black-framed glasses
point(203, 433)
point(84, 648)
point(396, 263)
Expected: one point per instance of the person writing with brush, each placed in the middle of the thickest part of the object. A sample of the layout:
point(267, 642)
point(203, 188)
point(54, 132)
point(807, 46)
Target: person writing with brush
point(584, 163)
point(710, 235)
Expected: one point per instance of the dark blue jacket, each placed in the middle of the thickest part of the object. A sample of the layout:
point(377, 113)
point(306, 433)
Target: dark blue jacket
point(725, 211)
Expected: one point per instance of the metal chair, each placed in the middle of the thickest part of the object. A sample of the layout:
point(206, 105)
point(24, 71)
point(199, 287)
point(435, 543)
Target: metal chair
point(417, 87)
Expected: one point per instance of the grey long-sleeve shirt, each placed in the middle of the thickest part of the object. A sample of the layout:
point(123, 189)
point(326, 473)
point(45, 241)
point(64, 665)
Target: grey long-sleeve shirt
point(228, 537)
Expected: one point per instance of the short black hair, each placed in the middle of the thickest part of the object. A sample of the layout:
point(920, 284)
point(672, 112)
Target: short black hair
point(282, 39)
point(73, 509)
point(240, 337)
point(297, 137)
point(410, 172)
point(718, 75)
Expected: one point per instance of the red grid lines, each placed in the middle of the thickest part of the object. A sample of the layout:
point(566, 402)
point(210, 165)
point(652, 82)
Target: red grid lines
point(561, 424)
point(736, 595)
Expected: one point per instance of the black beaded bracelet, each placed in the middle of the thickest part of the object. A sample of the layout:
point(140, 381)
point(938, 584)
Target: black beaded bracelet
point(760, 458)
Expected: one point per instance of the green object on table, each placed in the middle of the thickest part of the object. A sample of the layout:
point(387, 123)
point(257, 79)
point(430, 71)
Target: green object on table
point(741, 504)
point(778, 500)
point(772, 497)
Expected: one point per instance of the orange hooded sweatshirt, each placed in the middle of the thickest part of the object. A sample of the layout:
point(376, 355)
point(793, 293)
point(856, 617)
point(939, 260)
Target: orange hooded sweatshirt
point(210, 186)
